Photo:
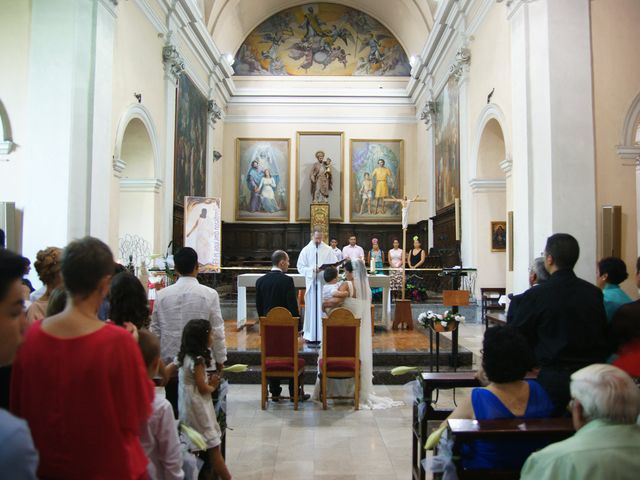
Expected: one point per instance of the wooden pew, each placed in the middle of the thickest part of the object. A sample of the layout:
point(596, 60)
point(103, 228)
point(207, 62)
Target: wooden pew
point(550, 430)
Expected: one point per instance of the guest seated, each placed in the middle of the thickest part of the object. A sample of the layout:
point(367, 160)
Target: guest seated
point(160, 436)
point(80, 383)
point(18, 457)
point(605, 409)
point(537, 275)
point(48, 267)
point(506, 359)
point(611, 273)
point(626, 332)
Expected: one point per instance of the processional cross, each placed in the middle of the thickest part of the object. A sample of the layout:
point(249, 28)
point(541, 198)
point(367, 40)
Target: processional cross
point(406, 203)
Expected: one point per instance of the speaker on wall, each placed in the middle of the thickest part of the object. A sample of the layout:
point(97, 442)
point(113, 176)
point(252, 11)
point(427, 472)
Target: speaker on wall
point(611, 231)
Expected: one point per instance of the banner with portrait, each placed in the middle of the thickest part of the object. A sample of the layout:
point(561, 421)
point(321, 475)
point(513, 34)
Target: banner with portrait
point(202, 230)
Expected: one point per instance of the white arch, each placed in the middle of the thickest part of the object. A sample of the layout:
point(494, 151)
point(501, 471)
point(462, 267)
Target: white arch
point(627, 148)
point(491, 111)
point(140, 112)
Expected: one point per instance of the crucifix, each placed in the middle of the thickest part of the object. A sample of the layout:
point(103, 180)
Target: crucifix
point(403, 307)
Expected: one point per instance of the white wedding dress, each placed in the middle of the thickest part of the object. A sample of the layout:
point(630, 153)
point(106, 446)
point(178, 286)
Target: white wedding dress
point(360, 306)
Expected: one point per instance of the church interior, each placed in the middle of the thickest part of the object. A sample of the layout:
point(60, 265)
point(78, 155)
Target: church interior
point(449, 139)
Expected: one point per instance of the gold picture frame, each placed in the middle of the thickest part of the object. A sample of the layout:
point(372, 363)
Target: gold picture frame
point(363, 157)
point(499, 236)
point(308, 144)
point(270, 154)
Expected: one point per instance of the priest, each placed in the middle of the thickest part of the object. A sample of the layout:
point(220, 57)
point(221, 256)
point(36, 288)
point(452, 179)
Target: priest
point(315, 254)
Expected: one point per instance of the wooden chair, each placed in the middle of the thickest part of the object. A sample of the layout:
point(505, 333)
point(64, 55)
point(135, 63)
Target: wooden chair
point(279, 350)
point(489, 302)
point(340, 351)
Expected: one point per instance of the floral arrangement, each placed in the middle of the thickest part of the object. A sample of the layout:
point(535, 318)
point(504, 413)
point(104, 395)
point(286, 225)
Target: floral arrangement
point(430, 319)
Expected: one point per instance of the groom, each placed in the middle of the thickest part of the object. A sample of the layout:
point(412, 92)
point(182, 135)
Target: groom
point(275, 289)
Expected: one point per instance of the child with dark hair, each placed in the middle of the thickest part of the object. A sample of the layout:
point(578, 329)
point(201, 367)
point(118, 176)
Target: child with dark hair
point(57, 302)
point(195, 406)
point(159, 437)
point(332, 288)
point(128, 301)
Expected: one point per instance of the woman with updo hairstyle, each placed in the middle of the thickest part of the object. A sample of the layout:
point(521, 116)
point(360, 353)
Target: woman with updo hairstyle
point(612, 271)
point(80, 383)
point(506, 359)
point(128, 304)
point(48, 267)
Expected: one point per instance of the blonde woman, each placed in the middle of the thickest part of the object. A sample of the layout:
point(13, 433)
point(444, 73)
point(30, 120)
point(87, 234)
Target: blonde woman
point(48, 267)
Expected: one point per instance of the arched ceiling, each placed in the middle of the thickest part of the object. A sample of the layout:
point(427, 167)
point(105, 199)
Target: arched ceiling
point(230, 21)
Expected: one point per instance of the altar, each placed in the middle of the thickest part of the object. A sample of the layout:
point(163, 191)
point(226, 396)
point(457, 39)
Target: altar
point(250, 279)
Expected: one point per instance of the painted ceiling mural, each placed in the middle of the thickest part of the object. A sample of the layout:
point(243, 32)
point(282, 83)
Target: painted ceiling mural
point(321, 39)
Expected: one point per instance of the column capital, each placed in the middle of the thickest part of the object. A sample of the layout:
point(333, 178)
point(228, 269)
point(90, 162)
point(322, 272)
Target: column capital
point(173, 61)
point(460, 67)
point(428, 113)
point(118, 166)
point(215, 112)
point(506, 165)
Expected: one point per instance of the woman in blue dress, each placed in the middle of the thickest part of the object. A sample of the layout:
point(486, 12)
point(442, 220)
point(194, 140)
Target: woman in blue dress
point(506, 359)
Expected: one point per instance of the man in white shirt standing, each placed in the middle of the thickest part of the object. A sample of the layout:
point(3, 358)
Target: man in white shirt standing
point(315, 254)
point(353, 251)
point(187, 300)
point(336, 251)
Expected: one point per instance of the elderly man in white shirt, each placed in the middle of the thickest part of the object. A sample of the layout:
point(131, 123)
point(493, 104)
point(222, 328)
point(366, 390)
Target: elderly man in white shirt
point(183, 301)
point(353, 251)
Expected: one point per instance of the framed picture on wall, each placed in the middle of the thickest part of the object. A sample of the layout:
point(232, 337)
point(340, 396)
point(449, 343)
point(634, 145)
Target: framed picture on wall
point(447, 146)
point(262, 179)
point(319, 173)
point(190, 170)
point(498, 236)
point(202, 230)
point(377, 168)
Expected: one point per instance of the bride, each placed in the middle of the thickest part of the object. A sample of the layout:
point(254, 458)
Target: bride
point(359, 303)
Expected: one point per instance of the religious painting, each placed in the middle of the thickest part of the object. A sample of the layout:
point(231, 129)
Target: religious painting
point(262, 179)
point(321, 39)
point(376, 180)
point(447, 146)
point(190, 169)
point(319, 172)
point(498, 236)
point(202, 230)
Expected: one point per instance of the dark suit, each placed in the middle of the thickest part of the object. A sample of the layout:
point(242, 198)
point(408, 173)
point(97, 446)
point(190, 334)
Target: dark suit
point(565, 323)
point(276, 289)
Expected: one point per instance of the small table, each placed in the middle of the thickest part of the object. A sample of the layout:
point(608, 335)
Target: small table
point(249, 280)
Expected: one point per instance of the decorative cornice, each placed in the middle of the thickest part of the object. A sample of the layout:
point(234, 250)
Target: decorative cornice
point(140, 185)
point(215, 112)
point(628, 152)
point(485, 185)
point(506, 165)
point(461, 66)
point(173, 61)
point(428, 113)
point(118, 166)
point(6, 147)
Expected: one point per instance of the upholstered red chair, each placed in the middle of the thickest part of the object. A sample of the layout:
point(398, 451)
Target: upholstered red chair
point(340, 351)
point(279, 350)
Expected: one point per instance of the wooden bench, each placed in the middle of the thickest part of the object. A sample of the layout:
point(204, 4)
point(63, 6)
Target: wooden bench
point(496, 318)
point(463, 432)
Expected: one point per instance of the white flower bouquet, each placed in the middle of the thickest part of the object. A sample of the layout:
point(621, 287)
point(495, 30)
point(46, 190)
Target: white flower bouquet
point(446, 321)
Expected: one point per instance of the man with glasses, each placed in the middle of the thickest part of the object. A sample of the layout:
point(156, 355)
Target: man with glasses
point(563, 319)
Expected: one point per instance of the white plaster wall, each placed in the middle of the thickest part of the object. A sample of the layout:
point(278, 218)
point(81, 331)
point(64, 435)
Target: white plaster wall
point(136, 216)
point(616, 82)
point(415, 176)
point(488, 207)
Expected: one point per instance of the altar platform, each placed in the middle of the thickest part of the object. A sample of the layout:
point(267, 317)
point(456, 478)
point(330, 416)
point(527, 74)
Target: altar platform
point(391, 349)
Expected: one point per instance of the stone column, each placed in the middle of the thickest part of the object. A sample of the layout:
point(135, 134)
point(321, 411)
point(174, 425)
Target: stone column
point(553, 140)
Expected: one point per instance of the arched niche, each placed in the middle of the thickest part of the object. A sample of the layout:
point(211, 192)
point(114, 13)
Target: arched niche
point(136, 166)
point(489, 167)
point(629, 149)
point(6, 142)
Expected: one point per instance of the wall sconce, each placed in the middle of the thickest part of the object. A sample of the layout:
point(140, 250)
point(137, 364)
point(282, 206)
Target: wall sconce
point(138, 97)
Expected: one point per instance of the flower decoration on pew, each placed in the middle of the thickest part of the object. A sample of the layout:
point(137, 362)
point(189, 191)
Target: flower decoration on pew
point(397, 371)
point(443, 322)
point(237, 368)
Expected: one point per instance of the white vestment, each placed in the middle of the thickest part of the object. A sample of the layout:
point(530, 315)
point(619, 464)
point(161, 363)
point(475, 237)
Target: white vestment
point(306, 266)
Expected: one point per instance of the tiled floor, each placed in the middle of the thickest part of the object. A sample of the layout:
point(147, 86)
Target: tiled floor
point(339, 444)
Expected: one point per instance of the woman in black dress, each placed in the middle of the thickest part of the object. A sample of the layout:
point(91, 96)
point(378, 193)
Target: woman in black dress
point(415, 283)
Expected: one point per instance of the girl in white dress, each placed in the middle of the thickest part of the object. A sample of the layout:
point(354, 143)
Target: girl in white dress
point(359, 303)
point(195, 406)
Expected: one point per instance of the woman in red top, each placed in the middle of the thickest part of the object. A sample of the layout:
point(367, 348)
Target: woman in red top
point(625, 326)
point(81, 383)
